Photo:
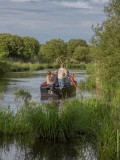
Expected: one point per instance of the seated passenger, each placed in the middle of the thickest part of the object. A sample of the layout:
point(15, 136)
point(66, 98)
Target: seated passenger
point(49, 78)
point(55, 79)
point(72, 79)
point(67, 79)
point(49, 82)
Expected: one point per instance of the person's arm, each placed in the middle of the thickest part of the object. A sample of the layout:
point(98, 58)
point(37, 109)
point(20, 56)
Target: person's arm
point(47, 79)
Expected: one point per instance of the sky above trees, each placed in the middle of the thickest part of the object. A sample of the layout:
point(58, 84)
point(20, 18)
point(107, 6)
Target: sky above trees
point(48, 19)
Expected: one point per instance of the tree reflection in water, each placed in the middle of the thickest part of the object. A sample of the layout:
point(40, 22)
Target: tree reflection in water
point(26, 148)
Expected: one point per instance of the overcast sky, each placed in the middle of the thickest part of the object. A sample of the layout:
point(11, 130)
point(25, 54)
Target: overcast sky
point(48, 19)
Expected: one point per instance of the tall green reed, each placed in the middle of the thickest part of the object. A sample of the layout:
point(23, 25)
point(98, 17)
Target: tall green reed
point(95, 118)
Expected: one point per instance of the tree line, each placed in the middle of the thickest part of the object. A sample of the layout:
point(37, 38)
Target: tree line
point(28, 48)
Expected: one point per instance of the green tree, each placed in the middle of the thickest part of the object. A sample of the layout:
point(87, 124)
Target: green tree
point(3, 51)
point(31, 47)
point(4, 66)
point(107, 42)
point(13, 44)
point(81, 54)
point(72, 44)
point(53, 51)
point(4, 42)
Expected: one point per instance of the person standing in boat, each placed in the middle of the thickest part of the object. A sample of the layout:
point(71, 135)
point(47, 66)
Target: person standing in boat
point(62, 72)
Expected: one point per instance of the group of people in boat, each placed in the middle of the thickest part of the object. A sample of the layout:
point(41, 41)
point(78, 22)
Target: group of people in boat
point(60, 78)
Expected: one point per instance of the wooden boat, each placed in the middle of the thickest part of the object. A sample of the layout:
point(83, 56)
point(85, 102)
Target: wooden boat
point(56, 91)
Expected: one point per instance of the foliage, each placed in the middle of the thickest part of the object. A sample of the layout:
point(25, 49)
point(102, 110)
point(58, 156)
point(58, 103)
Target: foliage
point(53, 51)
point(12, 44)
point(14, 48)
point(91, 117)
point(4, 42)
point(22, 97)
point(3, 54)
point(17, 47)
point(4, 67)
point(88, 84)
point(3, 51)
point(18, 67)
point(31, 47)
point(22, 66)
point(81, 66)
point(107, 41)
point(6, 121)
point(81, 54)
point(72, 44)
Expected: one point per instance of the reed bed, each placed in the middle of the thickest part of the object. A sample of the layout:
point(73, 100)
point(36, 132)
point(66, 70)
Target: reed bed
point(20, 66)
point(88, 84)
point(28, 66)
point(91, 117)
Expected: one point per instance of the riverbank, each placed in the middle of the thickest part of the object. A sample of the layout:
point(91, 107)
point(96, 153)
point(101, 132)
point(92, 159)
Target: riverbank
point(90, 117)
point(20, 66)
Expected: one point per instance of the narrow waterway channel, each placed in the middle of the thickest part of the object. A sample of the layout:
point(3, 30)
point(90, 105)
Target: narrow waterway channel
point(25, 148)
point(29, 81)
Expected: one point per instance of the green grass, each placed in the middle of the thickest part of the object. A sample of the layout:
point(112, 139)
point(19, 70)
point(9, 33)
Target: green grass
point(20, 66)
point(88, 84)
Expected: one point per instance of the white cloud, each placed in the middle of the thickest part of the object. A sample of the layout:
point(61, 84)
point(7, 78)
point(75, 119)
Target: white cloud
point(23, 0)
point(99, 1)
point(66, 18)
point(76, 4)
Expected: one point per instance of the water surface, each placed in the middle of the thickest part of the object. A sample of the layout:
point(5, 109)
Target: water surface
point(30, 81)
point(25, 148)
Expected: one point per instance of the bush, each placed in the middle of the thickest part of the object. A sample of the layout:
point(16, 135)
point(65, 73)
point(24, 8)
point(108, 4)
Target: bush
point(75, 66)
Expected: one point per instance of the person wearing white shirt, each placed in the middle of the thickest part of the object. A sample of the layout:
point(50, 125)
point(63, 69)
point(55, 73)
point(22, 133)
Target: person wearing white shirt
point(62, 72)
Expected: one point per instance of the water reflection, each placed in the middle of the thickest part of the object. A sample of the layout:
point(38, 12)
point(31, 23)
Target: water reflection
point(30, 81)
point(25, 148)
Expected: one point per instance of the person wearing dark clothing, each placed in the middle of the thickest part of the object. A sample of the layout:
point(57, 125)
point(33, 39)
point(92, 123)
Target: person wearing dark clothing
point(55, 79)
point(67, 79)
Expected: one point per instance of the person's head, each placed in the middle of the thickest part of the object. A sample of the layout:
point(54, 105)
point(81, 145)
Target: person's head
point(56, 72)
point(49, 73)
point(72, 75)
point(62, 65)
point(67, 73)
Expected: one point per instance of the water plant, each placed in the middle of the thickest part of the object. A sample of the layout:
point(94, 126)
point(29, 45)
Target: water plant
point(88, 84)
point(95, 118)
point(22, 98)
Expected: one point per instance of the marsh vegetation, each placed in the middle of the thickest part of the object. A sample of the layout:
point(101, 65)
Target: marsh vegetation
point(95, 117)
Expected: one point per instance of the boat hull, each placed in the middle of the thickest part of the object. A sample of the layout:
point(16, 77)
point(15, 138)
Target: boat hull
point(57, 92)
